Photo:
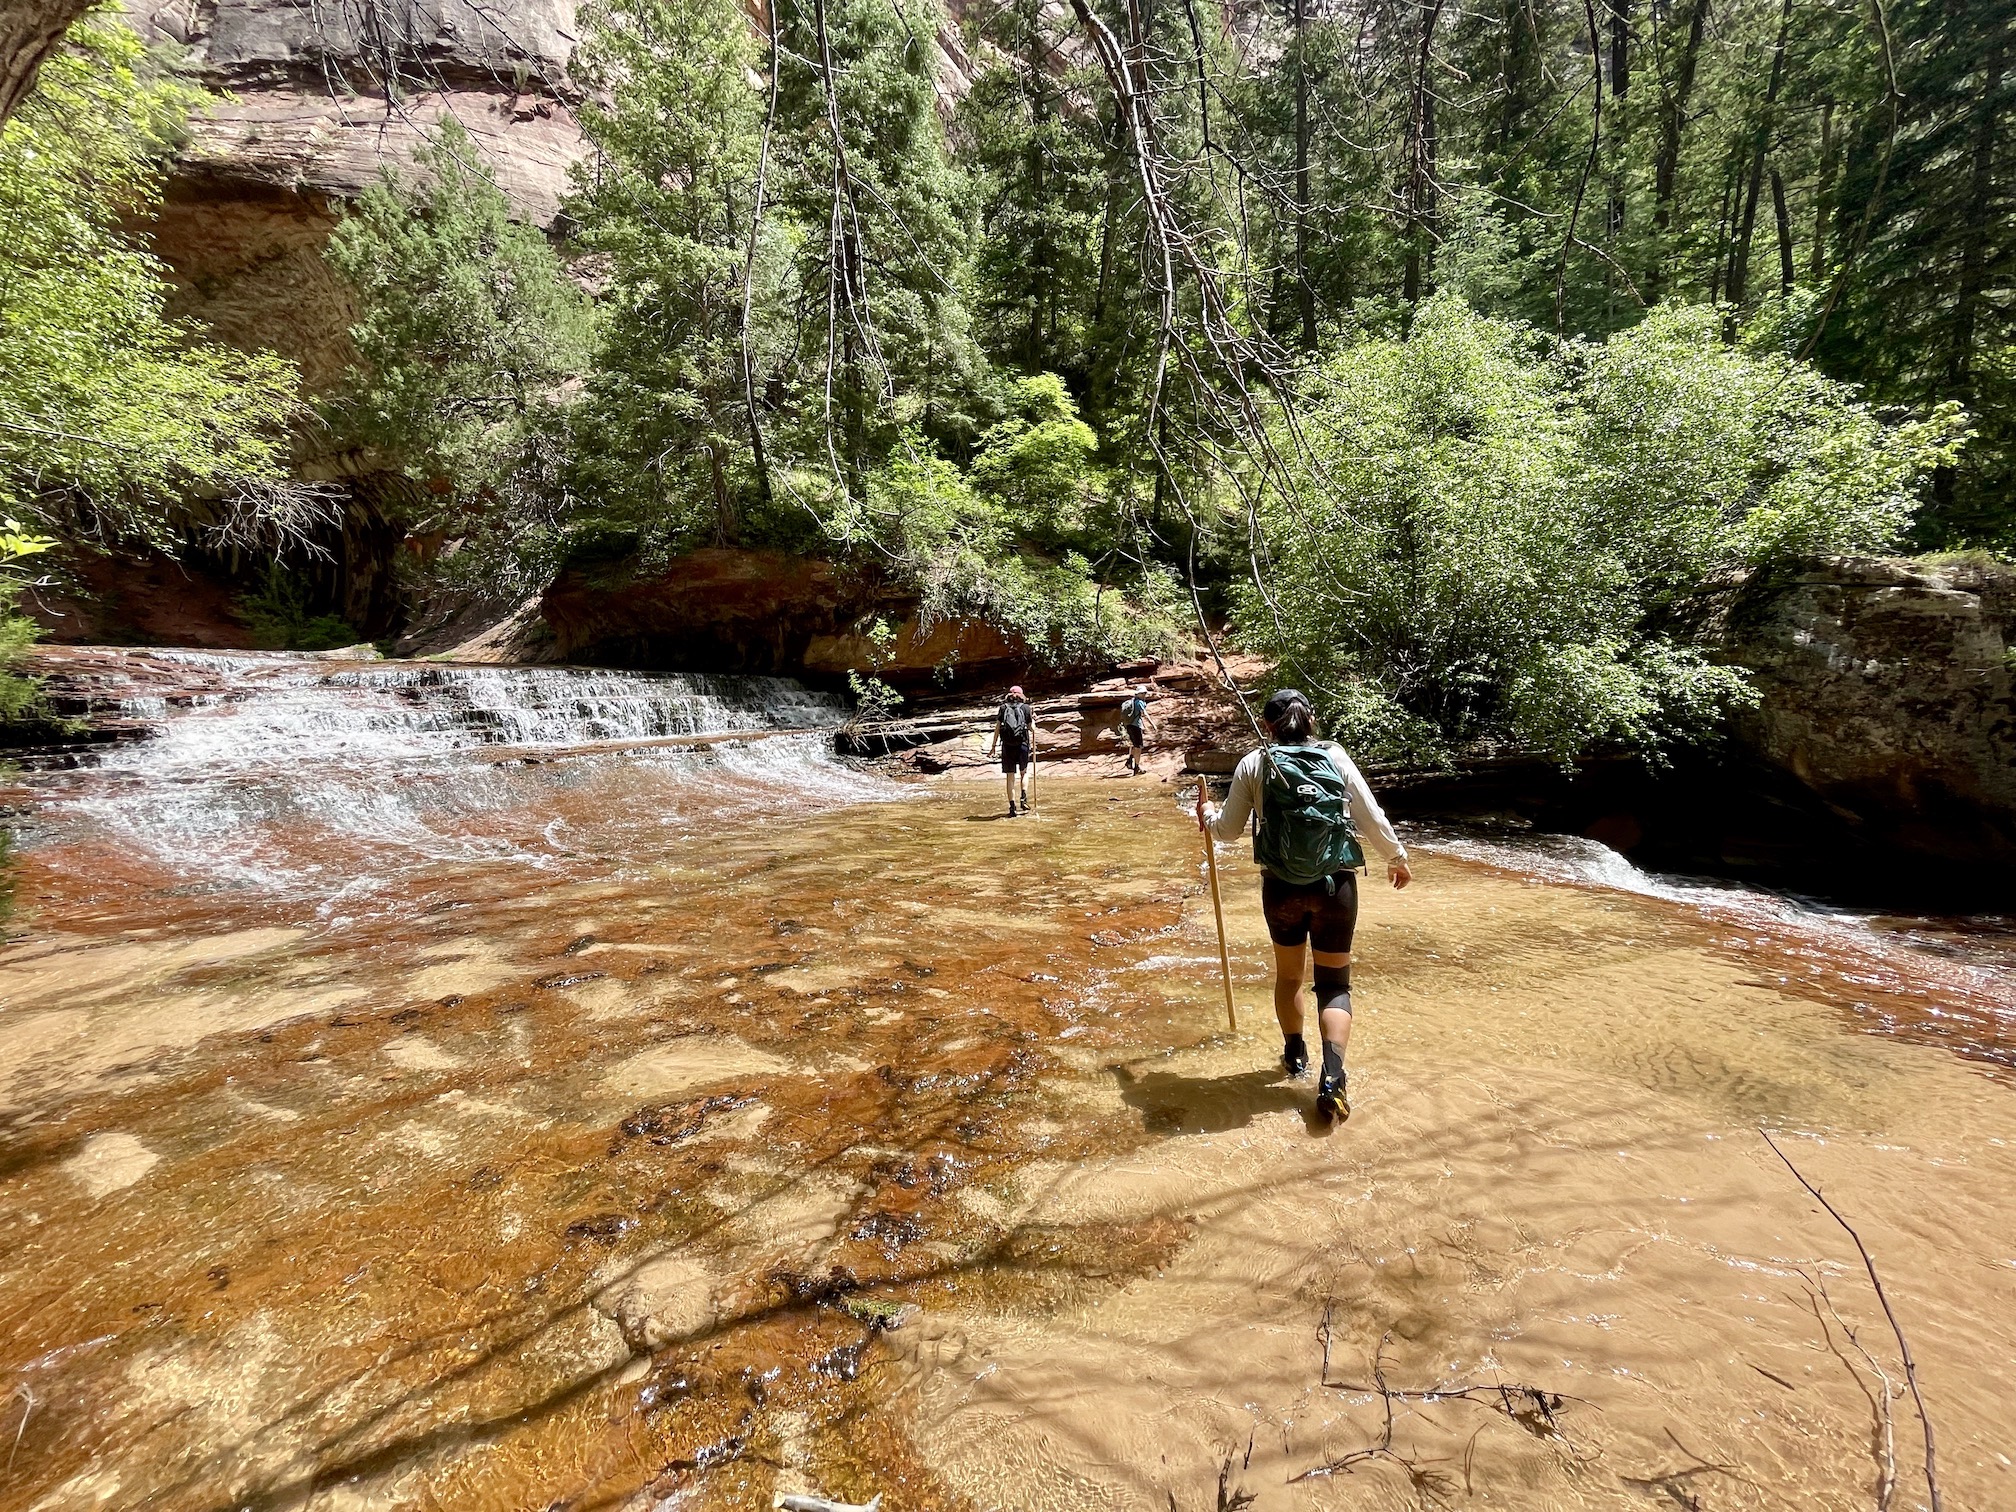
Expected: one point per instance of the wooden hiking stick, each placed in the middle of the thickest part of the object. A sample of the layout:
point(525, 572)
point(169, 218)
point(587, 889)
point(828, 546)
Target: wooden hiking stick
point(1217, 912)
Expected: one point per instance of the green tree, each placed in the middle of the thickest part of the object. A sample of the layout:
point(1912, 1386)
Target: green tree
point(883, 239)
point(1931, 311)
point(1503, 534)
point(468, 334)
point(671, 437)
point(1039, 170)
point(118, 423)
point(1038, 463)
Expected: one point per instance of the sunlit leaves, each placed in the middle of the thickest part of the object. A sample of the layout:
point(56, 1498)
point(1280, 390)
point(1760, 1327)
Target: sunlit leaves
point(112, 415)
point(1501, 535)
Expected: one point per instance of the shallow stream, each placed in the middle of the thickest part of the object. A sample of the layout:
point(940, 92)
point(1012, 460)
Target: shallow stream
point(430, 1088)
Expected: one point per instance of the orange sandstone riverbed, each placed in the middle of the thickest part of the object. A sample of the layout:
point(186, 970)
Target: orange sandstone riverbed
point(891, 1148)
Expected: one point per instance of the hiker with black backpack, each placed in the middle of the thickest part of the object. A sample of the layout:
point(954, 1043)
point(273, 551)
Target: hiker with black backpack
point(1015, 734)
point(1313, 805)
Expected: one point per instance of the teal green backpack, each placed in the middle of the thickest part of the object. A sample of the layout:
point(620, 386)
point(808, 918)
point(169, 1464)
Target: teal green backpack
point(1305, 834)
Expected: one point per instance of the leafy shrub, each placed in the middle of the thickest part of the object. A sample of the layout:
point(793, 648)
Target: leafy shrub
point(277, 614)
point(113, 417)
point(1499, 535)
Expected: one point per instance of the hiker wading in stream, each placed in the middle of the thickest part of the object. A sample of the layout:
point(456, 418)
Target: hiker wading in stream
point(1133, 725)
point(1312, 805)
point(1015, 734)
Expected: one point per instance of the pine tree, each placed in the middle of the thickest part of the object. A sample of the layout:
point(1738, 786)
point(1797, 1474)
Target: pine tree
point(1931, 313)
point(883, 237)
point(671, 435)
point(1038, 165)
point(468, 329)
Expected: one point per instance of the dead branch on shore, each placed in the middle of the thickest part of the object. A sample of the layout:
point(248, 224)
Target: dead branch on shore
point(1896, 1328)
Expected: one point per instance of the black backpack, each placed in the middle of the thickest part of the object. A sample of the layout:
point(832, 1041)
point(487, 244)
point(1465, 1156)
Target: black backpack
point(1134, 710)
point(1014, 719)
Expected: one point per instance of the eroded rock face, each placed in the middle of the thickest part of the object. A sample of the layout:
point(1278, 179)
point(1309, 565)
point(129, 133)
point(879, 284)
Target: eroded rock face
point(734, 609)
point(324, 95)
point(322, 98)
point(1888, 693)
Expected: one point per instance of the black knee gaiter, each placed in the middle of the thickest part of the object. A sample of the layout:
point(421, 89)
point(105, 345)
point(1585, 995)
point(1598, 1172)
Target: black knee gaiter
point(1333, 988)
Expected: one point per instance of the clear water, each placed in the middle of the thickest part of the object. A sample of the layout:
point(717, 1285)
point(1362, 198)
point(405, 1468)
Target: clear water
point(394, 1116)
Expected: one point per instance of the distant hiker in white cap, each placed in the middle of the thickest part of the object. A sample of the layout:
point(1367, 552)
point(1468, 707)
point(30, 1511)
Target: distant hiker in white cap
point(1015, 734)
point(1133, 722)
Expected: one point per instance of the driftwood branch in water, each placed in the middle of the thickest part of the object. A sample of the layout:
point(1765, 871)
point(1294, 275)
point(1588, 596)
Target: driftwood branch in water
point(1896, 1328)
point(1885, 1443)
point(1532, 1408)
point(822, 1504)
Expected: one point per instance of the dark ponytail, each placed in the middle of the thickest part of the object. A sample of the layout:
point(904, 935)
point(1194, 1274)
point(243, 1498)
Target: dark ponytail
point(1289, 716)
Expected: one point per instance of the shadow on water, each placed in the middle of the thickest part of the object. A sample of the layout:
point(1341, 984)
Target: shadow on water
point(1174, 1104)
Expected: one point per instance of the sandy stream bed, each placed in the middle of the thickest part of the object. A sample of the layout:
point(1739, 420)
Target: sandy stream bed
point(595, 1195)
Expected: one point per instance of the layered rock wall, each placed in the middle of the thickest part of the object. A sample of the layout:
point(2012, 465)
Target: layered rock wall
point(734, 609)
point(322, 98)
point(1889, 692)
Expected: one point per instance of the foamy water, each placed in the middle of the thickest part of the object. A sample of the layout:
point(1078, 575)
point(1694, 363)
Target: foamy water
point(321, 789)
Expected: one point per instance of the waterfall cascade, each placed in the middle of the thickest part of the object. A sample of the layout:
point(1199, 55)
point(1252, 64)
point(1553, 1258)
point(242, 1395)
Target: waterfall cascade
point(231, 711)
point(307, 780)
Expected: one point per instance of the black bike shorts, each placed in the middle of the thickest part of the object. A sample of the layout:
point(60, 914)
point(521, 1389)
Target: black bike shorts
point(1311, 914)
point(1016, 755)
point(1134, 735)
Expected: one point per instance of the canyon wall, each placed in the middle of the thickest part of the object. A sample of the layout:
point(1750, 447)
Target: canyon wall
point(323, 97)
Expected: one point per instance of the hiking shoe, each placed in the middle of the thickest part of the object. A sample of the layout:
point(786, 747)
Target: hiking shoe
point(1013, 811)
point(1332, 1101)
point(1295, 1056)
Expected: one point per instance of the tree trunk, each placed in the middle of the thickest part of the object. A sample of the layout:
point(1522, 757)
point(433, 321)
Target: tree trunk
point(727, 528)
point(1673, 98)
point(1786, 274)
point(1620, 85)
point(1418, 190)
point(1739, 253)
point(1041, 258)
point(1305, 292)
point(1115, 174)
point(1620, 56)
point(1978, 222)
point(1721, 236)
point(1823, 195)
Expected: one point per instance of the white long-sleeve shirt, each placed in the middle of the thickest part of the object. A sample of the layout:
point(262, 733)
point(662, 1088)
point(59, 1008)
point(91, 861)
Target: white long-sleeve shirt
point(1374, 828)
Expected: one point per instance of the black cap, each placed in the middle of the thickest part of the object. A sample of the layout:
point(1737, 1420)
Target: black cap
point(1283, 700)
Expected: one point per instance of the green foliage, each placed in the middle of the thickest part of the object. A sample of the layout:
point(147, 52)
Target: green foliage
point(469, 332)
point(959, 546)
point(1704, 456)
point(873, 698)
point(1928, 201)
point(277, 615)
point(1504, 533)
point(664, 438)
point(1038, 465)
point(20, 697)
point(883, 239)
point(113, 417)
point(1041, 180)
